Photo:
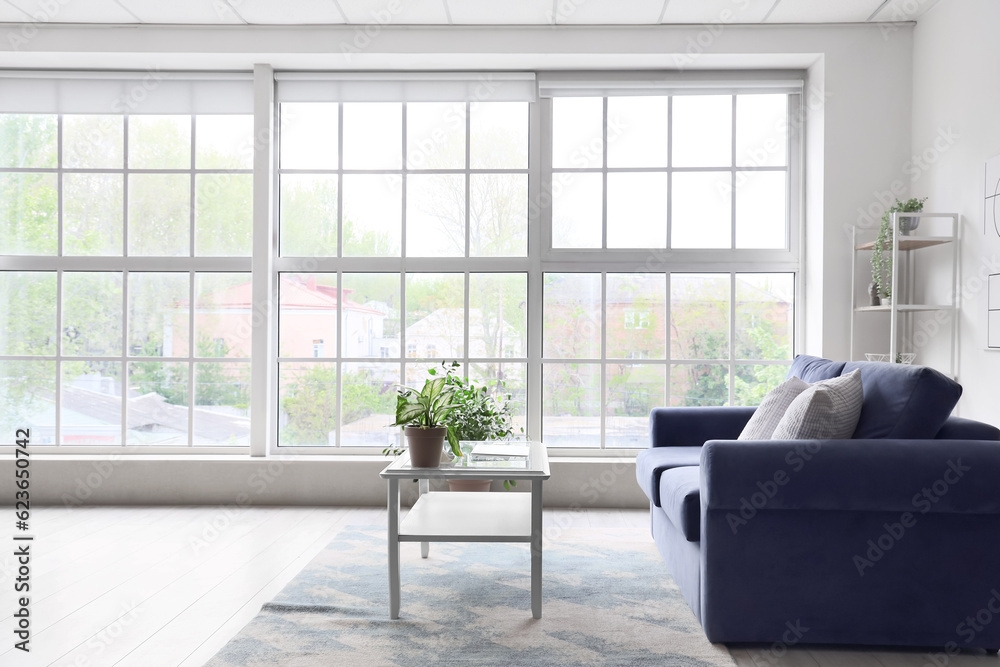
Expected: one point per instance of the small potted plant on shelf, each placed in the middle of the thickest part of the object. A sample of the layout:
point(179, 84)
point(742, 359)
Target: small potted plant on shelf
point(423, 415)
point(482, 412)
point(882, 248)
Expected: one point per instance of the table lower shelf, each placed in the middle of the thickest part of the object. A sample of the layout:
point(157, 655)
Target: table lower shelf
point(468, 517)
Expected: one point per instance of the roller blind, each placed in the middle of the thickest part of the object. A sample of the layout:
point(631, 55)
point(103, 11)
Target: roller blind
point(149, 92)
point(405, 87)
point(584, 85)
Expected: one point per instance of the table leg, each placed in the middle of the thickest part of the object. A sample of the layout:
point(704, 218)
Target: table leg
point(424, 486)
point(393, 511)
point(536, 548)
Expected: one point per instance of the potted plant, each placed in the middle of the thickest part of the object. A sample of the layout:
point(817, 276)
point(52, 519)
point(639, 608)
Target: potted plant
point(481, 412)
point(423, 415)
point(882, 249)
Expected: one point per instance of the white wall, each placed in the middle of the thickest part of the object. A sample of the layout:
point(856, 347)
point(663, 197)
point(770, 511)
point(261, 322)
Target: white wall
point(956, 91)
point(857, 129)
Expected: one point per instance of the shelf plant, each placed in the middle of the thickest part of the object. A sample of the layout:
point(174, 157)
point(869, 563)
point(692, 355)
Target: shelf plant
point(882, 248)
point(424, 416)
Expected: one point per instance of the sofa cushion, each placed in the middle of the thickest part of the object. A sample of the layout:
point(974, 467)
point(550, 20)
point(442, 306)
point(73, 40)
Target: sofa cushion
point(828, 409)
point(813, 369)
point(650, 464)
point(680, 498)
point(902, 401)
point(770, 411)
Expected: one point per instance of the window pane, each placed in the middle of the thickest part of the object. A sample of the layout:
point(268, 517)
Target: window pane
point(695, 385)
point(223, 315)
point(157, 403)
point(633, 390)
point(157, 314)
point(498, 215)
point(93, 209)
point(572, 316)
point(498, 311)
point(752, 383)
point(761, 130)
point(224, 142)
point(371, 315)
point(29, 214)
point(699, 315)
point(307, 315)
point(28, 140)
point(373, 135)
point(373, 210)
point(701, 213)
point(760, 209)
point(159, 142)
point(636, 316)
point(27, 399)
point(571, 405)
point(637, 210)
point(703, 131)
point(221, 403)
point(28, 312)
point(307, 405)
point(309, 135)
point(435, 215)
point(577, 132)
point(223, 215)
point(435, 135)
point(159, 214)
point(514, 378)
point(92, 314)
point(499, 135)
point(577, 210)
point(369, 402)
point(764, 315)
point(91, 403)
point(308, 215)
point(93, 142)
point(637, 131)
point(435, 315)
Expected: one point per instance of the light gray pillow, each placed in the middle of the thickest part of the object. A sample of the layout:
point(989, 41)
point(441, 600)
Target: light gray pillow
point(770, 411)
point(827, 410)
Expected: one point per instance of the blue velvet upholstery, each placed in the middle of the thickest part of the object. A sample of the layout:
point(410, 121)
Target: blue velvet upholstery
point(650, 464)
point(681, 500)
point(876, 540)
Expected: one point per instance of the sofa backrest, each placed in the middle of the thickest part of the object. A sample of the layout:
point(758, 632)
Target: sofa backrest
point(900, 401)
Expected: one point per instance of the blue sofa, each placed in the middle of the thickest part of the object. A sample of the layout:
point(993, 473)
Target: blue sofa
point(889, 538)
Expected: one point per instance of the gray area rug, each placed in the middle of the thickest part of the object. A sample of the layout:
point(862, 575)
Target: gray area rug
point(469, 603)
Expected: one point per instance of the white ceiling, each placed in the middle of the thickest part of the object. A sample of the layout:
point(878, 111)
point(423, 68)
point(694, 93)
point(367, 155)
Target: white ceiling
point(461, 12)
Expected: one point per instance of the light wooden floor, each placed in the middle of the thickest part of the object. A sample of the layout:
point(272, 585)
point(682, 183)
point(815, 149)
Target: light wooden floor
point(169, 586)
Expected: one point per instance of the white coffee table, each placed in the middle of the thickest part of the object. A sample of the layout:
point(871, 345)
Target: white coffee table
point(504, 516)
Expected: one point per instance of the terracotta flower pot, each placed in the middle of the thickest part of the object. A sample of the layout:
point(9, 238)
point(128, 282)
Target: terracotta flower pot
point(426, 445)
point(469, 484)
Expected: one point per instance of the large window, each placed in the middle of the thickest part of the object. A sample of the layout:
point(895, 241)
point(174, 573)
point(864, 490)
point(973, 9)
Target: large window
point(602, 247)
point(124, 322)
point(435, 194)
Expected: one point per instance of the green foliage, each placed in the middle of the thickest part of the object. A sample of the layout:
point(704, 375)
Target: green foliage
point(482, 412)
point(882, 250)
point(429, 407)
point(311, 406)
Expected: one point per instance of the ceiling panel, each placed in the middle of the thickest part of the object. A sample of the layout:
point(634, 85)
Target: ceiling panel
point(904, 10)
point(501, 12)
point(709, 11)
point(636, 12)
point(92, 11)
point(183, 11)
point(823, 11)
point(411, 12)
point(315, 12)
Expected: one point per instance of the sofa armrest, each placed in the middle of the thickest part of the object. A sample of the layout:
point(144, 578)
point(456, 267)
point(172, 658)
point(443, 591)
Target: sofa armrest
point(692, 427)
point(939, 476)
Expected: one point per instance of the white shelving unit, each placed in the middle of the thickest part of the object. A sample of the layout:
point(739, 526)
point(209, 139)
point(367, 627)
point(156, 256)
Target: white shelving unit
point(904, 250)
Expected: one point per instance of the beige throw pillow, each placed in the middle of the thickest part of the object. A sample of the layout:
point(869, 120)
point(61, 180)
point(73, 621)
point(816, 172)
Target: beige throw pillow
point(827, 410)
point(770, 411)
